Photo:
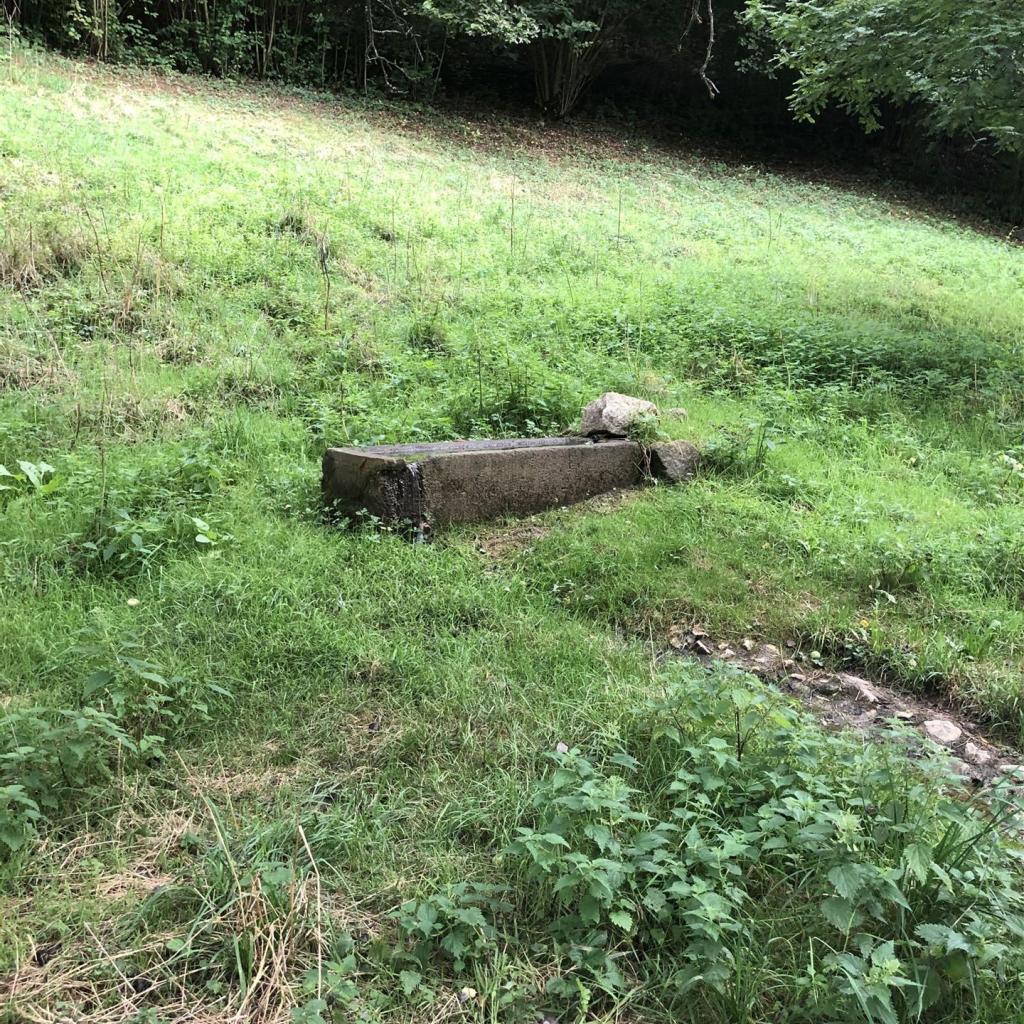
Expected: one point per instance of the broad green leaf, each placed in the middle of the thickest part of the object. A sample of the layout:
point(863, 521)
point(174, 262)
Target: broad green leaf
point(622, 919)
point(943, 936)
point(97, 681)
point(471, 916)
point(410, 981)
point(12, 837)
point(590, 911)
point(840, 913)
point(848, 879)
point(918, 859)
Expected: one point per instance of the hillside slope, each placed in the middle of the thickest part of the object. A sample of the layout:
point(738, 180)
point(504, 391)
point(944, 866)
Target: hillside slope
point(202, 286)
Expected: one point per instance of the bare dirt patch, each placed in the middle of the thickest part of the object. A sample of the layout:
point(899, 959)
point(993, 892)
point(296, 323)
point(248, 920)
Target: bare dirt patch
point(842, 700)
point(501, 543)
point(510, 541)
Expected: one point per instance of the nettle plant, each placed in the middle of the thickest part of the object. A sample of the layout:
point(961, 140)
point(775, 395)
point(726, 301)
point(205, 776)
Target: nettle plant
point(148, 702)
point(648, 865)
point(146, 514)
point(50, 756)
point(54, 756)
point(29, 477)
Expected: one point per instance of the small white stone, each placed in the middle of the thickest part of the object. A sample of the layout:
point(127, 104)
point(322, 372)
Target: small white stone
point(976, 754)
point(942, 731)
point(857, 687)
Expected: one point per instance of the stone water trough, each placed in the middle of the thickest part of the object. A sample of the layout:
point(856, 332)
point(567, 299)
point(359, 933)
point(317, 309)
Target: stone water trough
point(439, 484)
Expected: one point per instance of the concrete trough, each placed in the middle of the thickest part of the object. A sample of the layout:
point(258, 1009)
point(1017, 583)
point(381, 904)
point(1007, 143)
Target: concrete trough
point(449, 482)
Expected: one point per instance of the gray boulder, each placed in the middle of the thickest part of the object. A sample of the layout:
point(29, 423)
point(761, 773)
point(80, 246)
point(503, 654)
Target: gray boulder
point(675, 461)
point(614, 414)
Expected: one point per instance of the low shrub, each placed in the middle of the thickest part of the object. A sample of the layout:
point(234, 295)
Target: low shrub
point(523, 397)
point(54, 757)
point(662, 862)
point(50, 757)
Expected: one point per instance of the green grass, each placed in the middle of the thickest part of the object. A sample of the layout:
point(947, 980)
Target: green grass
point(167, 345)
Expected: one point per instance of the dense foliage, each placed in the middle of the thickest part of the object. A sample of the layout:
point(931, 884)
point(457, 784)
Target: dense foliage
point(961, 63)
point(928, 71)
point(647, 867)
point(404, 45)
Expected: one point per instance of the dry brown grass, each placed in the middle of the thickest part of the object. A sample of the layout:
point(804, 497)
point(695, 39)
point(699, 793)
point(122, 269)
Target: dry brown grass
point(501, 544)
point(128, 416)
point(113, 971)
point(34, 255)
point(21, 370)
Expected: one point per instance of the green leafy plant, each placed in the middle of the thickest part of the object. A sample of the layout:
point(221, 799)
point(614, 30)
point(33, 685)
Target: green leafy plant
point(53, 756)
point(857, 53)
point(147, 701)
point(645, 429)
point(19, 814)
point(661, 850)
point(459, 921)
point(739, 451)
point(39, 478)
point(49, 758)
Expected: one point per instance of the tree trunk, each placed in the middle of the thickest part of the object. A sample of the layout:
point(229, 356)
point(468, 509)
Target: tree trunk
point(564, 67)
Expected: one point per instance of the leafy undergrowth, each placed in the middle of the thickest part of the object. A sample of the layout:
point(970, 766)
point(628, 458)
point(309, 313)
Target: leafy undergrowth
point(254, 765)
point(709, 855)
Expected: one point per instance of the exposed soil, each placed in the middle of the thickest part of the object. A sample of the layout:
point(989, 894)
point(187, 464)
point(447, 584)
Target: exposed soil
point(500, 545)
point(842, 700)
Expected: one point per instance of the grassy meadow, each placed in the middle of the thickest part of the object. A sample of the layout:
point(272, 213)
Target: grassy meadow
point(261, 769)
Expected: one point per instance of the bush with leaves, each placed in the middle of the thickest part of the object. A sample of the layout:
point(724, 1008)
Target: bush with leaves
point(120, 520)
point(48, 758)
point(511, 396)
point(961, 63)
point(662, 861)
point(52, 757)
point(459, 921)
point(148, 702)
